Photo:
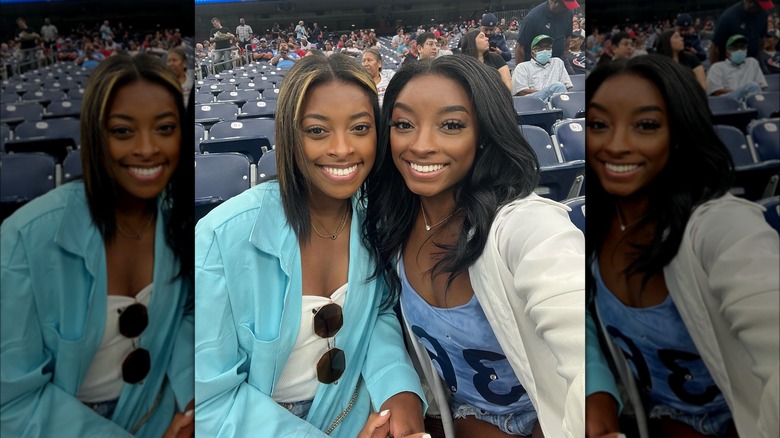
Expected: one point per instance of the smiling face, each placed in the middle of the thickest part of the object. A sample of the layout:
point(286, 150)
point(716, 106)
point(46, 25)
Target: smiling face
point(338, 133)
point(144, 138)
point(434, 135)
point(628, 135)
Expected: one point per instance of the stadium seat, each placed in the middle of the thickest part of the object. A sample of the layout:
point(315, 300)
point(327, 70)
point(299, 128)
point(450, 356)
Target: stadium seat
point(239, 97)
point(63, 108)
point(773, 82)
point(729, 111)
point(245, 128)
point(765, 136)
point(219, 177)
point(767, 104)
point(208, 114)
point(559, 180)
point(261, 108)
point(266, 166)
point(270, 93)
point(25, 176)
point(204, 98)
point(572, 104)
point(15, 113)
point(569, 136)
point(533, 111)
point(578, 82)
point(200, 134)
point(55, 137)
point(71, 166)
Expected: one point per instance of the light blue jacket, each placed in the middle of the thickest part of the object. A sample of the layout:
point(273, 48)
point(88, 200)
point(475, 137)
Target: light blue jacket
point(248, 302)
point(53, 311)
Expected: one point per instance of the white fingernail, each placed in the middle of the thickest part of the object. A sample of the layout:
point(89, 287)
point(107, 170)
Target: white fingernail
point(385, 412)
point(427, 435)
point(189, 413)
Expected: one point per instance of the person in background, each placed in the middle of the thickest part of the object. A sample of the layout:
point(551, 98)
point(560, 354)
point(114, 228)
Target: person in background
point(497, 42)
point(672, 45)
point(738, 76)
point(543, 76)
point(475, 44)
point(372, 62)
point(769, 57)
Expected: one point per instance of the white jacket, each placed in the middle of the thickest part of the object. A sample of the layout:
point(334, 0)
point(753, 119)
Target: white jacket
point(724, 282)
point(530, 282)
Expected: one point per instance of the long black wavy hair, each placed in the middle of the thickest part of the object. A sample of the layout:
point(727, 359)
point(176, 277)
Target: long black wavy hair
point(505, 168)
point(700, 167)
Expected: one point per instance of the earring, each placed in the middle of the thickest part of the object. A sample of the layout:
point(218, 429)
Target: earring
point(482, 145)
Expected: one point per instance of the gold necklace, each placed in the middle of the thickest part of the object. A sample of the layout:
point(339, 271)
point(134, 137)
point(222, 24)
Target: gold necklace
point(139, 235)
point(336, 234)
point(620, 220)
point(425, 219)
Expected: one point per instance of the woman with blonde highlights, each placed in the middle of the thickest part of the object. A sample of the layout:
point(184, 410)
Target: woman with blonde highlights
point(293, 338)
point(96, 275)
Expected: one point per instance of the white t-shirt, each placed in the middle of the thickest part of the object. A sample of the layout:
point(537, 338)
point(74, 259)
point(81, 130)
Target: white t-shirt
point(531, 74)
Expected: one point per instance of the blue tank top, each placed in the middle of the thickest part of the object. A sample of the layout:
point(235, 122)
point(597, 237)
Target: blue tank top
point(465, 352)
point(660, 352)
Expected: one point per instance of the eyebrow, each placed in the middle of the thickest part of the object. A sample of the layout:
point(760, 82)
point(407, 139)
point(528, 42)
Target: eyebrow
point(641, 109)
point(443, 110)
point(127, 117)
point(326, 118)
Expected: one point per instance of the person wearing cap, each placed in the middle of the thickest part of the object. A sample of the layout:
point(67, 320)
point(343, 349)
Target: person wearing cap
point(262, 52)
point(691, 39)
point(748, 18)
point(496, 40)
point(577, 57)
point(543, 76)
point(68, 52)
point(769, 58)
point(553, 18)
point(738, 76)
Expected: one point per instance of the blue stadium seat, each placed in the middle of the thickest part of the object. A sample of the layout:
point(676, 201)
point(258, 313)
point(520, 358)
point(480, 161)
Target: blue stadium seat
point(25, 176)
point(572, 104)
point(569, 135)
point(63, 108)
point(729, 111)
point(71, 166)
point(239, 97)
point(245, 128)
point(260, 108)
point(773, 82)
point(219, 177)
point(533, 111)
point(204, 98)
point(270, 93)
point(765, 136)
point(559, 180)
point(266, 166)
point(578, 82)
point(15, 113)
point(55, 137)
point(211, 113)
point(767, 104)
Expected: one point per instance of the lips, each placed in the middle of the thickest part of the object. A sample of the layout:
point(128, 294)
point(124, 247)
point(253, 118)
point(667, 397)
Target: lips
point(340, 171)
point(145, 173)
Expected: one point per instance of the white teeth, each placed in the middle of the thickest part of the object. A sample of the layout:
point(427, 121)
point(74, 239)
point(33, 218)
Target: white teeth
point(426, 169)
point(340, 171)
point(146, 171)
point(620, 168)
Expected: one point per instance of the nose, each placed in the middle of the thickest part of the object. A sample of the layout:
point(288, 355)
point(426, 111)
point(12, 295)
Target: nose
point(617, 141)
point(340, 146)
point(423, 144)
point(145, 145)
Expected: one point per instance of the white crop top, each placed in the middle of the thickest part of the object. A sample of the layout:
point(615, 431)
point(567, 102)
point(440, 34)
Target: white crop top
point(298, 381)
point(103, 381)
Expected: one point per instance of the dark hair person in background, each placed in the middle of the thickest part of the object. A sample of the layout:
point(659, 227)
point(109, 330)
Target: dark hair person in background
point(488, 271)
point(475, 44)
point(672, 45)
point(670, 248)
point(292, 338)
point(97, 276)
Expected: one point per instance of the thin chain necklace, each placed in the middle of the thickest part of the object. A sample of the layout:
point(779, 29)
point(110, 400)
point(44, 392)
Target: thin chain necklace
point(132, 235)
point(425, 219)
point(336, 234)
point(624, 227)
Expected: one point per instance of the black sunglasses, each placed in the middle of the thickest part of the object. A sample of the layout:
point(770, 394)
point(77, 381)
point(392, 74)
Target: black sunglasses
point(328, 320)
point(132, 322)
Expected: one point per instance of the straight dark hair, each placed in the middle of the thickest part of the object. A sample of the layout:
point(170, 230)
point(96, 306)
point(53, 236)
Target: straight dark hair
point(99, 180)
point(664, 46)
point(468, 44)
point(505, 168)
point(292, 174)
point(673, 194)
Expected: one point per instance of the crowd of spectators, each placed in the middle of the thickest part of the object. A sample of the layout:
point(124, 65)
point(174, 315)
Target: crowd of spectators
point(85, 45)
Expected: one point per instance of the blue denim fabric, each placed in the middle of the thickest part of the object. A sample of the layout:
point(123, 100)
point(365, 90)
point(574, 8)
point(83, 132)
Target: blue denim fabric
point(105, 409)
point(300, 408)
point(714, 424)
point(546, 93)
point(745, 91)
point(518, 423)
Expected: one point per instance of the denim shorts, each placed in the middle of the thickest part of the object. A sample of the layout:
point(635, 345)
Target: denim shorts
point(105, 409)
point(518, 423)
point(300, 408)
point(710, 424)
